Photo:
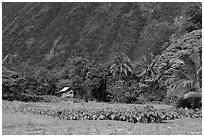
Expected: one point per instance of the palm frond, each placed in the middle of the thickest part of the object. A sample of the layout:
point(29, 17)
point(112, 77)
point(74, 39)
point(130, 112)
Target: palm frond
point(169, 81)
point(142, 85)
point(129, 69)
point(199, 73)
point(5, 58)
point(182, 75)
point(149, 80)
point(112, 66)
point(120, 65)
point(183, 84)
point(142, 73)
point(145, 60)
point(176, 61)
point(188, 84)
point(195, 57)
point(125, 71)
point(178, 84)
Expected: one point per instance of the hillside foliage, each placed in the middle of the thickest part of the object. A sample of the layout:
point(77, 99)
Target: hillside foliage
point(112, 52)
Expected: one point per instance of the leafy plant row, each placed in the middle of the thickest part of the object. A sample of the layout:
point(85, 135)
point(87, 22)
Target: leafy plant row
point(136, 115)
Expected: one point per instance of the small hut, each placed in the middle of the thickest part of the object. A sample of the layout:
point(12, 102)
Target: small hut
point(66, 92)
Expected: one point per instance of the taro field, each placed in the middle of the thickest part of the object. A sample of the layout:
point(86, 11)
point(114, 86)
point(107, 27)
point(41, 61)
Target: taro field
point(68, 118)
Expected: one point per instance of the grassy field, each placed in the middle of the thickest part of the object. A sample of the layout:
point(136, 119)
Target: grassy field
point(92, 105)
point(16, 123)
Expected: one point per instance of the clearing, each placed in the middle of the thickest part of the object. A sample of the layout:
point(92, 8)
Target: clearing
point(16, 123)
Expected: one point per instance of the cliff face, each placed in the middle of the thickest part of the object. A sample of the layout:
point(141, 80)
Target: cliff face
point(50, 33)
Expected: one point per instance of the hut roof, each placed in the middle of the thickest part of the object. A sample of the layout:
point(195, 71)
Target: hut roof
point(63, 90)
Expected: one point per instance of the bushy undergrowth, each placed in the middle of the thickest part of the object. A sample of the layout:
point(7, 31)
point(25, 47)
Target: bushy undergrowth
point(17, 87)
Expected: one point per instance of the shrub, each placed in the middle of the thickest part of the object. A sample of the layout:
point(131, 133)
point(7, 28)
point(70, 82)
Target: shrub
point(188, 103)
point(183, 103)
point(118, 90)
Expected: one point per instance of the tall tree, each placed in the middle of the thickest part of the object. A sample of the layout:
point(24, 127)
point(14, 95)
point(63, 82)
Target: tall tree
point(121, 67)
point(191, 78)
point(146, 67)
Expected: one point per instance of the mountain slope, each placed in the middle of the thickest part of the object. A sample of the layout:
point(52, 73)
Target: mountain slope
point(50, 33)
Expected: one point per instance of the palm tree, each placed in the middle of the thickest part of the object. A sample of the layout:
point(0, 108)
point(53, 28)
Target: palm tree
point(121, 70)
point(121, 67)
point(191, 79)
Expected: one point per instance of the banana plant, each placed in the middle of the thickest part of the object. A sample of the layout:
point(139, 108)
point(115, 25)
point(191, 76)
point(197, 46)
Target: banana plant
point(146, 66)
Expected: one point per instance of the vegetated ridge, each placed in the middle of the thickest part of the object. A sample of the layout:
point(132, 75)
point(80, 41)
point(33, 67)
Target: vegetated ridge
point(51, 45)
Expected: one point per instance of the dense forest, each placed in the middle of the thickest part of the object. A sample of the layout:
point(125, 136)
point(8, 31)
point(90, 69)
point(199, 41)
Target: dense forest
point(112, 52)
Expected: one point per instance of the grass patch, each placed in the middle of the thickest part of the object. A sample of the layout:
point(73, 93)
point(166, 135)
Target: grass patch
point(14, 123)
